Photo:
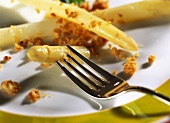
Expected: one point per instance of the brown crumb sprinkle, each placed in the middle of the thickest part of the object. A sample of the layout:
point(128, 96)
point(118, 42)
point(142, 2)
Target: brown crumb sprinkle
point(45, 64)
point(100, 4)
point(85, 5)
point(18, 47)
point(34, 95)
point(7, 58)
point(10, 87)
point(73, 34)
point(116, 52)
point(114, 72)
point(71, 14)
point(130, 66)
point(151, 59)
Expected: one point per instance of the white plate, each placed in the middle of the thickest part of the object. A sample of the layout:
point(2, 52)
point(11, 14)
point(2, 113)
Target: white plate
point(63, 97)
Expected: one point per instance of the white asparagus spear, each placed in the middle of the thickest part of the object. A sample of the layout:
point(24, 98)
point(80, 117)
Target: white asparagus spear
point(51, 54)
point(10, 35)
point(138, 11)
point(86, 19)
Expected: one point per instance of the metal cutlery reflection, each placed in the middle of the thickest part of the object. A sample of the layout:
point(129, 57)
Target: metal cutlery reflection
point(104, 85)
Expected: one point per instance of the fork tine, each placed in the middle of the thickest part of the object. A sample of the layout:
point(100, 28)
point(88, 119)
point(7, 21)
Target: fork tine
point(73, 78)
point(101, 71)
point(82, 75)
point(88, 71)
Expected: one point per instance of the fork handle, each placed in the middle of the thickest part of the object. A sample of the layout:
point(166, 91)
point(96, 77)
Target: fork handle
point(159, 96)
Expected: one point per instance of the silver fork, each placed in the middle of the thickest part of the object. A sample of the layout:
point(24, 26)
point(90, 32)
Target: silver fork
point(105, 86)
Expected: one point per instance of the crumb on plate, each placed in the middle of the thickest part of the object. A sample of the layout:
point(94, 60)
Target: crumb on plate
point(114, 72)
point(10, 87)
point(117, 53)
point(137, 55)
point(34, 95)
point(130, 66)
point(151, 58)
point(7, 58)
point(45, 65)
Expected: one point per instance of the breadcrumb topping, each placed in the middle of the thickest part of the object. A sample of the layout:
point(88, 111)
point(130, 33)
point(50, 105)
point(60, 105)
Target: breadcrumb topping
point(20, 45)
point(10, 87)
point(73, 34)
point(34, 95)
point(85, 5)
point(45, 64)
point(117, 53)
point(114, 72)
point(130, 66)
point(71, 14)
point(151, 59)
point(7, 58)
point(100, 4)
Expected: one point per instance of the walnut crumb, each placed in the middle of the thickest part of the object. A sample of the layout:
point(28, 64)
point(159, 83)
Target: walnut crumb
point(10, 87)
point(151, 59)
point(34, 95)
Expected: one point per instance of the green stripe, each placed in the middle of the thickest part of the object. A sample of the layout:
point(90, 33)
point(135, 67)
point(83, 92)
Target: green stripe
point(73, 1)
point(143, 110)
